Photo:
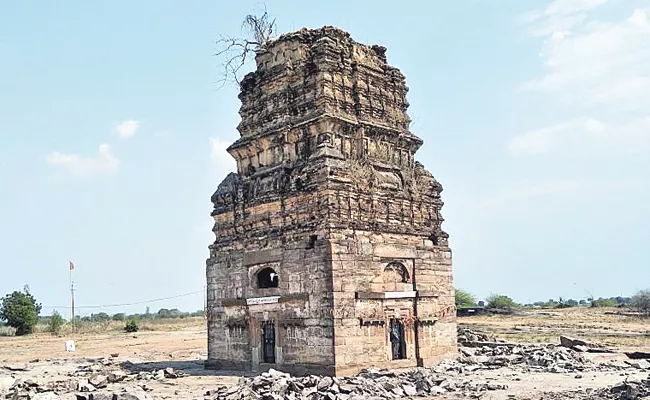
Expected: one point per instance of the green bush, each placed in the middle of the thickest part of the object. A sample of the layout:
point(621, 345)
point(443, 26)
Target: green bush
point(501, 302)
point(464, 299)
point(131, 326)
point(55, 323)
point(20, 310)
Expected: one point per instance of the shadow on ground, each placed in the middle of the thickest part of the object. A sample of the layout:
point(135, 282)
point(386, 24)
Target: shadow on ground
point(191, 368)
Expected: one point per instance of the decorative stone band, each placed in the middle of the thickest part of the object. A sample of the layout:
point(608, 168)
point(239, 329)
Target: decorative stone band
point(233, 302)
point(386, 295)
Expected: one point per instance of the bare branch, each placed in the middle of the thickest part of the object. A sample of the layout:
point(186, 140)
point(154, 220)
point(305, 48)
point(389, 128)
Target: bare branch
point(236, 51)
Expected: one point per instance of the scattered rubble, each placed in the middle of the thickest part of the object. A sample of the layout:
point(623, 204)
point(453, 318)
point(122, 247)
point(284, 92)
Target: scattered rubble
point(626, 390)
point(532, 357)
point(93, 380)
point(368, 384)
point(106, 379)
point(468, 336)
point(583, 345)
point(480, 351)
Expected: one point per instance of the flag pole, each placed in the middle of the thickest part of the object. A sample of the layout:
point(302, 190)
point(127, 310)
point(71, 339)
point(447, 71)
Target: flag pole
point(71, 267)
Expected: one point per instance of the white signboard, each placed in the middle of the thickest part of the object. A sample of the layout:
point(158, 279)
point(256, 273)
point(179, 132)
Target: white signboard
point(399, 295)
point(262, 300)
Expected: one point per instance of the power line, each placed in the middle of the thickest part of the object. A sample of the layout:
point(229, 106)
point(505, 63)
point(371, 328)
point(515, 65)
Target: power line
point(130, 304)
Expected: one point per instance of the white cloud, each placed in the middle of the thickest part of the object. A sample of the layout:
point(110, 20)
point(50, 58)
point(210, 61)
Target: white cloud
point(599, 71)
point(560, 191)
point(220, 156)
point(104, 163)
point(585, 135)
point(127, 129)
point(559, 15)
point(598, 63)
point(556, 137)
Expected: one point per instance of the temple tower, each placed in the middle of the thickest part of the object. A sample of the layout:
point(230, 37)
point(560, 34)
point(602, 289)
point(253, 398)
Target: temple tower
point(329, 254)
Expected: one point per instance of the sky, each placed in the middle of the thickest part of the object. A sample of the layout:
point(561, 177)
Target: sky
point(535, 117)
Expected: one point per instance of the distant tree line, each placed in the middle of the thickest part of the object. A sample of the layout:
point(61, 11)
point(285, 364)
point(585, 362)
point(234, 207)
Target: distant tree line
point(640, 302)
point(163, 313)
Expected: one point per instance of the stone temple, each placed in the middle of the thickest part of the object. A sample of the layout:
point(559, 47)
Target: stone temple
point(329, 254)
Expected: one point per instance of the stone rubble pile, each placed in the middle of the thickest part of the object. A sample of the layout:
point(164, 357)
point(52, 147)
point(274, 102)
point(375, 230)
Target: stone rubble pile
point(627, 390)
point(71, 389)
point(469, 336)
point(88, 382)
point(544, 358)
point(489, 354)
point(369, 384)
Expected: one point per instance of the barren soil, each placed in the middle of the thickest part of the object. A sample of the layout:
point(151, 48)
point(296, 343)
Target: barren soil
point(184, 347)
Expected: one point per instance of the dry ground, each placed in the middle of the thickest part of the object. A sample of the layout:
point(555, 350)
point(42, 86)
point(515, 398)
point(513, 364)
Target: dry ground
point(545, 326)
point(182, 344)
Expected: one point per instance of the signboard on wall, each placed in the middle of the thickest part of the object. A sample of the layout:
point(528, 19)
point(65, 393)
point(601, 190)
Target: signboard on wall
point(262, 300)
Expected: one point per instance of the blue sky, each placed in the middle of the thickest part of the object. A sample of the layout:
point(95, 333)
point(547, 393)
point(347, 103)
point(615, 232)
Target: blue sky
point(535, 117)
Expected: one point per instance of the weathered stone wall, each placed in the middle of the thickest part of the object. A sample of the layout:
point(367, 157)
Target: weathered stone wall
point(328, 195)
point(359, 262)
point(304, 291)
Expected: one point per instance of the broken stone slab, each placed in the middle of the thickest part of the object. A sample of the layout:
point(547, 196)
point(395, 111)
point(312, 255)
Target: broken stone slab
point(639, 364)
point(84, 386)
point(45, 396)
point(410, 390)
point(133, 394)
point(102, 396)
point(637, 355)
point(172, 373)
point(583, 345)
point(6, 382)
point(16, 367)
point(99, 381)
point(324, 383)
point(116, 376)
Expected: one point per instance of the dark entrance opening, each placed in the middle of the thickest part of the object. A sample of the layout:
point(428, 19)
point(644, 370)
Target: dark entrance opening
point(267, 278)
point(268, 342)
point(397, 340)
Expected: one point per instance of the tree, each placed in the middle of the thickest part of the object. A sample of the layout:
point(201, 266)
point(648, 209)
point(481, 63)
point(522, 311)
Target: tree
point(464, 299)
point(236, 51)
point(501, 302)
point(20, 310)
point(100, 317)
point(118, 317)
point(55, 323)
point(641, 301)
